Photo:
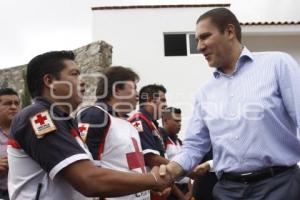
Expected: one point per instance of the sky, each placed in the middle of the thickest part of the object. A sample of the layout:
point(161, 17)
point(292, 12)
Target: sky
point(35, 26)
point(31, 27)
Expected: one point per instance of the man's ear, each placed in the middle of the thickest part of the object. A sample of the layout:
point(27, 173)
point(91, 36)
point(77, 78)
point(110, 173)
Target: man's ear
point(116, 91)
point(230, 31)
point(48, 80)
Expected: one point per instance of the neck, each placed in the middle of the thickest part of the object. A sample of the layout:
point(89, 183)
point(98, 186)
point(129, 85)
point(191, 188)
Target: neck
point(167, 130)
point(120, 110)
point(235, 54)
point(150, 109)
point(5, 126)
point(63, 107)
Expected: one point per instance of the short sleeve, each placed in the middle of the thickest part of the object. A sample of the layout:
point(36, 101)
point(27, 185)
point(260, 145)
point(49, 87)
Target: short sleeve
point(148, 142)
point(96, 122)
point(55, 150)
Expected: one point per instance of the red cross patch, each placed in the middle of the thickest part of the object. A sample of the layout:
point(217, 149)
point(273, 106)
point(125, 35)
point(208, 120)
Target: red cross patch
point(42, 124)
point(135, 159)
point(138, 125)
point(83, 129)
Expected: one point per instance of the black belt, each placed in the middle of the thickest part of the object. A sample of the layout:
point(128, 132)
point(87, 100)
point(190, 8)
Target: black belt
point(255, 176)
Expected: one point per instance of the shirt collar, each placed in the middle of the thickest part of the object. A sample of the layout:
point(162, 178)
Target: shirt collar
point(245, 56)
point(107, 107)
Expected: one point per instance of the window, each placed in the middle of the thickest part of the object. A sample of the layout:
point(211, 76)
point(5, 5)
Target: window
point(180, 44)
point(175, 45)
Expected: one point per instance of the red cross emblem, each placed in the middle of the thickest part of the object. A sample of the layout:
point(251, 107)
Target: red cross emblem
point(136, 124)
point(82, 128)
point(135, 159)
point(40, 119)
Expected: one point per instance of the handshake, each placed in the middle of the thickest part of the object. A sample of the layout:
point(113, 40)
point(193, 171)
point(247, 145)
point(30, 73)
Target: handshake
point(163, 178)
point(165, 175)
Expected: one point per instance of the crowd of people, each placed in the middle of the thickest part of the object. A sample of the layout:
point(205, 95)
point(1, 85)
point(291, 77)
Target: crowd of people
point(111, 151)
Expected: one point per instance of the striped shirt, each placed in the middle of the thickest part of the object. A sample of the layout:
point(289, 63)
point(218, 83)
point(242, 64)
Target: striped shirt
point(250, 118)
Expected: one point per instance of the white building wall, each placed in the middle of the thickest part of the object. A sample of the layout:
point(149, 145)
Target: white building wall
point(137, 39)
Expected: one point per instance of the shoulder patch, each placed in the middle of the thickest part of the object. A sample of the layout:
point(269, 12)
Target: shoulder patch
point(83, 129)
point(42, 124)
point(138, 125)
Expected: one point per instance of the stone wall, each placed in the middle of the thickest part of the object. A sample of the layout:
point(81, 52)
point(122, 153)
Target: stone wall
point(91, 59)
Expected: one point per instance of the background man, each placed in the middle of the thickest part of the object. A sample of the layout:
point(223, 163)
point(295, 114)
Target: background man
point(248, 113)
point(111, 139)
point(171, 120)
point(152, 102)
point(9, 107)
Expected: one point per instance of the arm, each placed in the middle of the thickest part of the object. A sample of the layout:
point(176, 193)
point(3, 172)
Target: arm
point(94, 181)
point(152, 160)
point(202, 169)
point(196, 144)
point(3, 165)
point(288, 77)
point(95, 122)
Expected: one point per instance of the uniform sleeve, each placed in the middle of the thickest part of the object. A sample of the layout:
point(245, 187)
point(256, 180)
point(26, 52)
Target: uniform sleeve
point(54, 151)
point(97, 122)
point(147, 138)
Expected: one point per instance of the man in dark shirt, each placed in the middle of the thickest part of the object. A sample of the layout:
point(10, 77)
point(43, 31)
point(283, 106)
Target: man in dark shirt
point(9, 107)
point(152, 102)
point(171, 120)
point(45, 141)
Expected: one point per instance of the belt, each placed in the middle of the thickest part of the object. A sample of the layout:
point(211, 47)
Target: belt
point(250, 177)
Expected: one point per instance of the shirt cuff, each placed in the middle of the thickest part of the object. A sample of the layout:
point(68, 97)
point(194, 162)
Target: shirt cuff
point(211, 165)
point(146, 151)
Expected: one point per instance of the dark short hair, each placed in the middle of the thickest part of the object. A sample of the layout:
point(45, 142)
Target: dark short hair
point(149, 92)
point(8, 91)
point(47, 63)
point(170, 112)
point(222, 17)
point(114, 75)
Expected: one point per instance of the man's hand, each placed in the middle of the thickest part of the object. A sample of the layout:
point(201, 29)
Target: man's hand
point(172, 168)
point(200, 170)
point(162, 178)
point(3, 164)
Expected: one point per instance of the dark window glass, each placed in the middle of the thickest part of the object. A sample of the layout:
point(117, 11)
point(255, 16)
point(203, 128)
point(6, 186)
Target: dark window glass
point(175, 45)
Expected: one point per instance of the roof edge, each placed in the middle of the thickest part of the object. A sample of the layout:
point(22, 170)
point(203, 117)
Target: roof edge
point(158, 6)
point(270, 23)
